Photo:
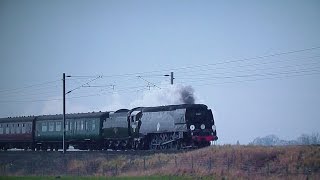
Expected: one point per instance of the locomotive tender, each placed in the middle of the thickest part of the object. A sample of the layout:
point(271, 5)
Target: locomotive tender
point(162, 127)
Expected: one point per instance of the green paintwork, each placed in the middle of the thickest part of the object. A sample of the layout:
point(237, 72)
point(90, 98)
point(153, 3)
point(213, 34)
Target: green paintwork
point(82, 128)
point(116, 132)
point(116, 126)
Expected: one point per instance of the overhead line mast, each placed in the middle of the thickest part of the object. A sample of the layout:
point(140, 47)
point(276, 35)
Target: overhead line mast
point(64, 113)
point(172, 78)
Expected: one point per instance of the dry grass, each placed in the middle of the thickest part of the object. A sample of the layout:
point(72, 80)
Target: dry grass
point(232, 162)
point(237, 162)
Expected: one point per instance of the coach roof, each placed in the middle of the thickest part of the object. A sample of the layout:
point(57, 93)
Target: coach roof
point(17, 119)
point(73, 116)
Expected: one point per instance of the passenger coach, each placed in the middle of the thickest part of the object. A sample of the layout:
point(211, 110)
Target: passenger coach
point(83, 131)
point(17, 132)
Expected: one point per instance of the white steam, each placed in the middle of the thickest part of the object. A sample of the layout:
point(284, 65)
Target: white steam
point(115, 103)
point(55, 107)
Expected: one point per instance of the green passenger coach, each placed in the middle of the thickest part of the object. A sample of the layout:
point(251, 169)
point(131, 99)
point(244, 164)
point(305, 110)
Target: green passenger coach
point(83, 130)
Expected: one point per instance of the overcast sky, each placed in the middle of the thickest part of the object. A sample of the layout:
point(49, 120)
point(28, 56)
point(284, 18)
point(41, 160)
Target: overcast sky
point(255, 63)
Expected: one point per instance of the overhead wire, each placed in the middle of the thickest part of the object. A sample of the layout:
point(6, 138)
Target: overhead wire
point(256, 79)
point(270, 69)
point(249, 65)
point(211, 64)
point(185, 71)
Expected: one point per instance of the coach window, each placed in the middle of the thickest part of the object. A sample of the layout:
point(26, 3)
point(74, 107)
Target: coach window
point(82, 125)
point(18, 129)
point(44, 127)
point(93, 125)
point(13, 129)
point(58, 126)
point(28, 127)
point(86, 125)
point(70, 125)
point(79, 125)
point(67, 125)
point(7, 129)
point(23, 128)
point(75, 125)
point(51, 126)
point(1, 129)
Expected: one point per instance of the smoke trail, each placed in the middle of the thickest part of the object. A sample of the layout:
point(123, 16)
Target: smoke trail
point(173, 94)
point(187, 96)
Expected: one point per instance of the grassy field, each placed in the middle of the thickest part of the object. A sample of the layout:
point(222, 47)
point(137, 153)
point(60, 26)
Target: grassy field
point(98, 178)
point(234, 162)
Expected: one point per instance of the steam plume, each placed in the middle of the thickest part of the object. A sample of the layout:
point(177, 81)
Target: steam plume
point(173, 94)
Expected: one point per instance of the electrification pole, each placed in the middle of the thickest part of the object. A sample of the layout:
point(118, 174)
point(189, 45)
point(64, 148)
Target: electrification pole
point(64, 113)
point(172, 78)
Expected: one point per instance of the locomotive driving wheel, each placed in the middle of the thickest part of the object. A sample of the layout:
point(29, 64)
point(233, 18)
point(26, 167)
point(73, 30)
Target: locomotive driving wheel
point(163, 141)
point(154, 143)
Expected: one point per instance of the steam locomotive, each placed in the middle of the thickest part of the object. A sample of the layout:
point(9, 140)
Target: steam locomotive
point(162, 127)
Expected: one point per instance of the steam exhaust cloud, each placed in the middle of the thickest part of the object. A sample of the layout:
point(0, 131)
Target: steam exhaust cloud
point(170, 95)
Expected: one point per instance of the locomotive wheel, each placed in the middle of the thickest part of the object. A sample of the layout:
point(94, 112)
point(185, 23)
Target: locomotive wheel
point(154, 143)
point(111, 145)
point(124, 144)
point(163, 141)
point(136, 145)
point(163, 138)
point(106, 145)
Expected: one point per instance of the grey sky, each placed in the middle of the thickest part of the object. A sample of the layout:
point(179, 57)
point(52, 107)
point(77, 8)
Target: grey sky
point(39, 40)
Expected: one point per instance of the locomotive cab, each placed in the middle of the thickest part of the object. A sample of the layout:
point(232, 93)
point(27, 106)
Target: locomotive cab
point(135, 123)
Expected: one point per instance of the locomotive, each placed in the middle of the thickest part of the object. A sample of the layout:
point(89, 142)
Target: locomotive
point(143, 128)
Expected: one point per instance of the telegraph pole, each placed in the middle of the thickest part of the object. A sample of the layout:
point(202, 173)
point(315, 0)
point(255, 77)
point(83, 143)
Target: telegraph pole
point(64, 113)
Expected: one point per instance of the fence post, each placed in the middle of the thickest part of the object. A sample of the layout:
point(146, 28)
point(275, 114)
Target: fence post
point(144, 163)
point(175, 160)
point(210, 164)
point(191, 162)
point(116, 170)
point(268, 169)
point(228, 164)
